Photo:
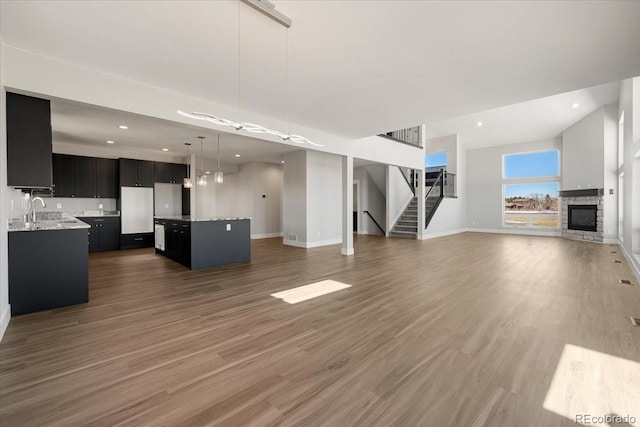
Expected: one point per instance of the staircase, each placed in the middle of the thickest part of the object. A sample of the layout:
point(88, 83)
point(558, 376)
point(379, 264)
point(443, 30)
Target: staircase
point(407, 225)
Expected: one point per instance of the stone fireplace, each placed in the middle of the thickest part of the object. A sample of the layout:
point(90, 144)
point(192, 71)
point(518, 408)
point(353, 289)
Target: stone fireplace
point(582, 214)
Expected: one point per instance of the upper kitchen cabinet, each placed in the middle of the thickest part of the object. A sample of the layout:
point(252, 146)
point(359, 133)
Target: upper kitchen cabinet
point(64, 175)
point(29, 161)
point(179, 172)
point(107, 178)
point(170, 173)
point(162, 172)
point(85, 177)
point(136, 173)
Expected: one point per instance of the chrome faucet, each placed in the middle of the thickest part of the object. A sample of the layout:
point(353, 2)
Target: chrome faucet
point(33, 207)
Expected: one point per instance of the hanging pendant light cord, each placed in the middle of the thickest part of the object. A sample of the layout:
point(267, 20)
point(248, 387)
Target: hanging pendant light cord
point(218, 152)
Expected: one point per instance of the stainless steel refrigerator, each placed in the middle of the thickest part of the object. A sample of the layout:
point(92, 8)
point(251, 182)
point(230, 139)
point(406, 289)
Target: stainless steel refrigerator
point(136, 208)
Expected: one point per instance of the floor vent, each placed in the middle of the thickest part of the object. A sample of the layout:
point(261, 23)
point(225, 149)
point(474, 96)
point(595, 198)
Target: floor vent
point(635, 321)
point(614, 252)
point(626, 282)
point(617, 261)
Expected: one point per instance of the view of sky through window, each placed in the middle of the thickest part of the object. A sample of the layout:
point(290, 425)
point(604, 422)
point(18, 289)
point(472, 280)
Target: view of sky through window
point(436, 159)
point(532, 165)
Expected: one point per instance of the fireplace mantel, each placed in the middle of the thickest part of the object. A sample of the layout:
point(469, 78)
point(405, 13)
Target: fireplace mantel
point(589, 192)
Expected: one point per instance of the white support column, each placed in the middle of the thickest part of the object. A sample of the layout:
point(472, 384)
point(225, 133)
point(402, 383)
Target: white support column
point(193, 190)
point(420, 189)
point(420, 194)
point(388, 223)
point(347, 205)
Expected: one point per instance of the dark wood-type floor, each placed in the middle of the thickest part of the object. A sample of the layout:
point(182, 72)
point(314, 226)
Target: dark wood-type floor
point(461, 330)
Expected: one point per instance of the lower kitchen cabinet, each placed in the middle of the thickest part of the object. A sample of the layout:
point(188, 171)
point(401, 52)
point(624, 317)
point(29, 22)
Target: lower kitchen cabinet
point(104, 234)
point(47, 269)
point(177, 241)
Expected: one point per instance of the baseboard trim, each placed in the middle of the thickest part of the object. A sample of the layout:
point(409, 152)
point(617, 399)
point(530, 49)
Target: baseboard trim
point(309, 245)
point(517, 232)
point(4, 321)
point(265, 236)
point(347, 252)
point(631, 259)
point(442, 234)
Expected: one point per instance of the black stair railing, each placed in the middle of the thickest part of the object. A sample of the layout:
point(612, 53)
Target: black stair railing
point(434, 196)
point(409, 179)
point(374, 221)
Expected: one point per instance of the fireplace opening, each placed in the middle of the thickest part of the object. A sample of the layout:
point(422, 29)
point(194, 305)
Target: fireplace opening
point(583, 217)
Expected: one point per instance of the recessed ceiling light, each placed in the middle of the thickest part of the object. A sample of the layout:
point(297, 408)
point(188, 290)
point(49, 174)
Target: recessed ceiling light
point(207, 172)
point(575, 105)
point(237, 155)
point(281, 161)
point(109, 142)
point(123, 127)
point(165, 149)
point(479, 124)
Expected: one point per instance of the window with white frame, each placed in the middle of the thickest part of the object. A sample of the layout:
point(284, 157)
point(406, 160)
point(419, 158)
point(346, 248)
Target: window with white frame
point(531, 183)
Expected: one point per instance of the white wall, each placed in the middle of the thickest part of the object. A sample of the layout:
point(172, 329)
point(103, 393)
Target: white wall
point(6, 195)
point(451, 215)
point(240, 195)
point(610, 166)
point(582, 153)
point(33, 73)
point(590, 160)
point(372, 198)
point(167, 199)
point(324, 199)
point(630, 105)
point(115, 152)
point(484, 182)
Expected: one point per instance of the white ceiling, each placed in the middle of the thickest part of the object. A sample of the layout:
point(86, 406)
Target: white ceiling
point(356, 68)
point(543, 118)
point(90, 125)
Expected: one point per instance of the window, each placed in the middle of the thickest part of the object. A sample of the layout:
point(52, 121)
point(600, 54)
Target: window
point(530, 187)
point(436, 160)
point(532, 165)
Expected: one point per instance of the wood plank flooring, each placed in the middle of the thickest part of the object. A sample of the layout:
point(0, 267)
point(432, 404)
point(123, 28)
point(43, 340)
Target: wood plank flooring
point(461, 330)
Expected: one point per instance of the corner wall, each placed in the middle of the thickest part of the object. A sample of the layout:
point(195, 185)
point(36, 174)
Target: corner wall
point(6, 195)
point(451, 216)
point(485, 203)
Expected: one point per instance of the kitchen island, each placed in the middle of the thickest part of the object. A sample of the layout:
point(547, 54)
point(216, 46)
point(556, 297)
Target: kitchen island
point(48, 263)
point(203, 243)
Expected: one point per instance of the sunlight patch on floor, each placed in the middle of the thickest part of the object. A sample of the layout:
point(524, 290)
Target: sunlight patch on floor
point(588, 383)
point(307, 292)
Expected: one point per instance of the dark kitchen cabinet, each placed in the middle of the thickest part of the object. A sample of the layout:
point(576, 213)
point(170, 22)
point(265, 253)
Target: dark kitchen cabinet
point(64, 175)
point(170, 173)
point(87, 177)
point(162, 172)
point(104, 234)
point(29, 155)
point(107, 178)
point(177, 241)
point(47, 269)
point(179, 172)
point(136, 173)
point(186, 201)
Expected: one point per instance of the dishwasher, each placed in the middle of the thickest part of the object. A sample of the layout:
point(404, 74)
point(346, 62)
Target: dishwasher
point(159, 236)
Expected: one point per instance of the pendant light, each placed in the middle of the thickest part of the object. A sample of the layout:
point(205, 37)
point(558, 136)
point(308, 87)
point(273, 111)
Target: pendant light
point(218, 177)
point(202, 177)
point(187, 181)
point(239, 125)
